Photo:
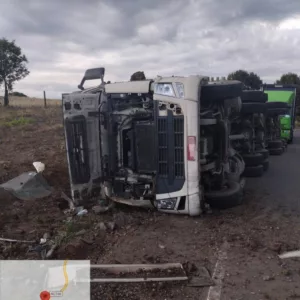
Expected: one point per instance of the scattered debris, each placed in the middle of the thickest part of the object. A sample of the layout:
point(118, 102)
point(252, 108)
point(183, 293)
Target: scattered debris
point(138, 273)
point(28, 186)
point(70, 201)
point(51, 251)
point(81, 232)
point(78, 209)
point(268, 278)
point(290, 254)
point(87, 241)
point(16, 241)
point(41, 249)
point(98, 209)
point(199, 276)
point(111, 225)
point(39, 166)
point(43, 241)
point(101, 226)
point(82, 212)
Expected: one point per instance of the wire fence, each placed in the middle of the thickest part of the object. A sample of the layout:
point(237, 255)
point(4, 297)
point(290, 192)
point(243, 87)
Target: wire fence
point(31, 101)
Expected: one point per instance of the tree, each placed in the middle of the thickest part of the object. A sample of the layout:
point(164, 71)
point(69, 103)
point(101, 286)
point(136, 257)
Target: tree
point(17, 94)
point(12, 66)
point(289, 78)
point(292, 79)
point(139, 75)
point(250, 80)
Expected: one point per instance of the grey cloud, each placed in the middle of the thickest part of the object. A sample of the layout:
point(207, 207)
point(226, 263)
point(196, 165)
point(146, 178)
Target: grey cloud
point(213, 37)
point(227, 12)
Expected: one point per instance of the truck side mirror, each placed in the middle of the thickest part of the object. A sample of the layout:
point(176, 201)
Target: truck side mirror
point(91, 74)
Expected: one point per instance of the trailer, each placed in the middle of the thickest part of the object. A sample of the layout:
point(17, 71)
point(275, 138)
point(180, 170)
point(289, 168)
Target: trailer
point(285, 94)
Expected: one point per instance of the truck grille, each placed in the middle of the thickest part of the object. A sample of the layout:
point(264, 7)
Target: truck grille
point(78, 149)
point(178, 146)
point(170, 130)
point(162, 147)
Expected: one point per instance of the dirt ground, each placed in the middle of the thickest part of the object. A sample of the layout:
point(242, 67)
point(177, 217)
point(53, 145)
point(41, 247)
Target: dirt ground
point(255, 233)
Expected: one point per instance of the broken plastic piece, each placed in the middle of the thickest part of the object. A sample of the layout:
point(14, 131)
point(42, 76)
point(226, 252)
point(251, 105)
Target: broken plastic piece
point(43, 241)
point(28, 186)
point(82, 212)
point(290, 254)
point(39, 166)
point(16, 241)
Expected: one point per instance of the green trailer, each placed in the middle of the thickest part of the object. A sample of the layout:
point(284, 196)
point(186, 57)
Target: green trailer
point(285, 94)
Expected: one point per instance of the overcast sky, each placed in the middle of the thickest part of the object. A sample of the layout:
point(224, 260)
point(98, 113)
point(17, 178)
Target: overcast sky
point(167, 37)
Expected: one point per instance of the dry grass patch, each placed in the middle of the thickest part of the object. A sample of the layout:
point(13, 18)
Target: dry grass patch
point(31, 102)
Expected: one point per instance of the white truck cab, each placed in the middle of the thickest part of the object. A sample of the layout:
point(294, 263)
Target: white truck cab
point(138, 142)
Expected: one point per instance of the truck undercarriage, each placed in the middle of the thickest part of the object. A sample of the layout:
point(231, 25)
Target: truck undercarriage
point(142, 143)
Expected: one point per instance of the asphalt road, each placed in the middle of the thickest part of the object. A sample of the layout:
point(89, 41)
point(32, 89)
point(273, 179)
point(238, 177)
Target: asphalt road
point(282, 181)
point(268, 224)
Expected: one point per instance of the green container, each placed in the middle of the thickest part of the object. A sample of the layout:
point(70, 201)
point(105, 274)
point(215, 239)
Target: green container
point(278, 94)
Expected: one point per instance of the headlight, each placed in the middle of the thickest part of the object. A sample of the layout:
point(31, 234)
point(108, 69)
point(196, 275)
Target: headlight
point(165, 89)
point(168, 204)
point(180, 89)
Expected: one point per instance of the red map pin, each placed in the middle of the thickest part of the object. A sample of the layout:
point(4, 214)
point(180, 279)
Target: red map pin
point(45, 295)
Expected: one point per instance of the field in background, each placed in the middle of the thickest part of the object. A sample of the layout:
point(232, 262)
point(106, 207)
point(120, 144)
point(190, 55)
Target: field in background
point(27, 101)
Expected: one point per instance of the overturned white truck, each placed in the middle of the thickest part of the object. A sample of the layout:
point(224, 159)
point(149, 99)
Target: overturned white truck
point(161, 143)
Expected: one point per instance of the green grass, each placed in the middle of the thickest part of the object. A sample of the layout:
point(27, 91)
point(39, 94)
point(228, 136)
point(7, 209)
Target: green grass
point(21, 121)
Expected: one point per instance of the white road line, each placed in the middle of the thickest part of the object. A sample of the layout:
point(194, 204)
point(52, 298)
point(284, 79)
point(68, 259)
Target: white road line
point(214, 292)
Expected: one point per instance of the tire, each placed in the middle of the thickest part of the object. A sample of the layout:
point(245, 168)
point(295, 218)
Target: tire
point(228, 198)
point(256, 171)
point(252, 160)
point(254, 97)
point(275, 105)
point(266, 165)
point(253, 108)
point(264, 152)
point(275, 144)
point(221, 90)
point(276, 111)
point(277, 151)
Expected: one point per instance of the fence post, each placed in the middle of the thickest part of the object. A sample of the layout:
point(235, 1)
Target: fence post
point(45, 100)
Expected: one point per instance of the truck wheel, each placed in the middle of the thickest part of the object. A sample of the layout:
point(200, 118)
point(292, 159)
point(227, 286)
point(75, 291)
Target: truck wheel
point(256, 171)
point(275, 105)
point(254, 96)
point(275, 144)
point(273, 112)
point(221, 90)
point(266, 165)
point(264, 152)
point(228, 197)
point(277, 151)
point(252, 160)
point(253, 108)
